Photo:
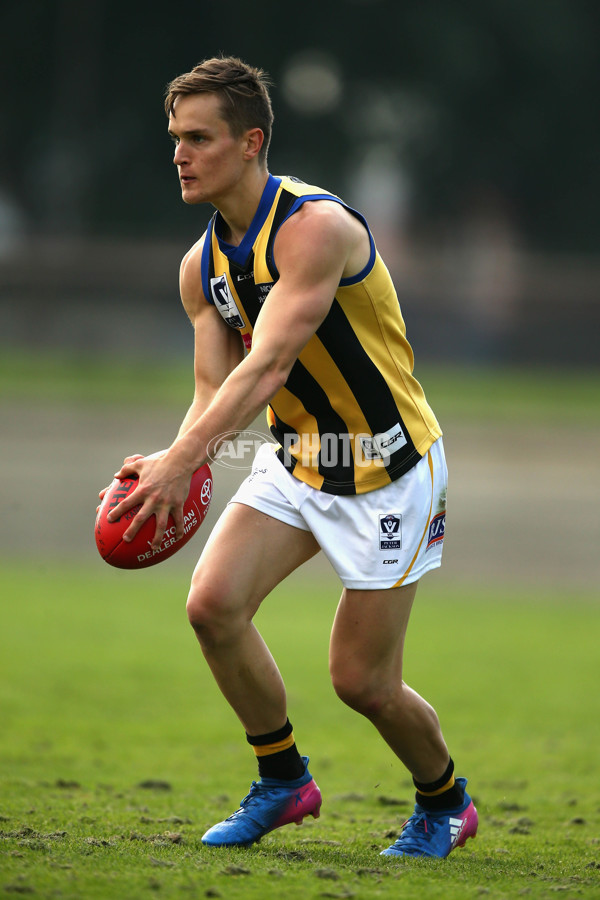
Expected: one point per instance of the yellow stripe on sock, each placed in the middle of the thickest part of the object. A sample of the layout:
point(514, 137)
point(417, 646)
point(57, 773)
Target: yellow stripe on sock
point(269, 749)
point(446, 787)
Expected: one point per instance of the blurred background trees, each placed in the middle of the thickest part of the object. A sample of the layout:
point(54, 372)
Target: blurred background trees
point(466, 130)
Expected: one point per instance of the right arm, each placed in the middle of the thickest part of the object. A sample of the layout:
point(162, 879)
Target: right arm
point(218, 349)
point(289, 317)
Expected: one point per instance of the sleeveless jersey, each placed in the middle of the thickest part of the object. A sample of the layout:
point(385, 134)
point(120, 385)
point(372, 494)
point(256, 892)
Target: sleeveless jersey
point(351, 417)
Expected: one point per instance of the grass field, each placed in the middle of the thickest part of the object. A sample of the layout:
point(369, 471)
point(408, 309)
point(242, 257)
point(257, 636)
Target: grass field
point(535, 395)
point(116, 750)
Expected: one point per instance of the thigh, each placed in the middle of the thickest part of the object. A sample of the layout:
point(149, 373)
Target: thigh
point(248, 554)
point(369, 629)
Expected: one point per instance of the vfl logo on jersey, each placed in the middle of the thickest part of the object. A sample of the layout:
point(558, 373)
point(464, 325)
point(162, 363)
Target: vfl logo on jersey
point(382, 445)
point(390, 532)
point(437, 527)
point(224, 302)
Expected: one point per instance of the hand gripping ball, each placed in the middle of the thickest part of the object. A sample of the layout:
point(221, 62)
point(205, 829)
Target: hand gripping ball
point(138, 554)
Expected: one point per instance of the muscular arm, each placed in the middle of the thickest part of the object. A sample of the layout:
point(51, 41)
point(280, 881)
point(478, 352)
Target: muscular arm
point(218, 349)
point(314, 249)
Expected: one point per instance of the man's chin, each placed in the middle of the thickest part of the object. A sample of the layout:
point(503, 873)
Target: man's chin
point(190, 198)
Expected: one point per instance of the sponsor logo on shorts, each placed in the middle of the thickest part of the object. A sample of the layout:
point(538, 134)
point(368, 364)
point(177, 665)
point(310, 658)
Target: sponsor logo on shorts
point(437, 526)
point(390, 562)
point(256, 473)
point(390, 531)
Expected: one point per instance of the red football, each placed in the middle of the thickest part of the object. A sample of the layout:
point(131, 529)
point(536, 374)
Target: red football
point(138, 554)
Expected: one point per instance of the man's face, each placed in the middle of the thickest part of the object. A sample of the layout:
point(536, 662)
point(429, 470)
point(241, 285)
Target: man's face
point(208, 157)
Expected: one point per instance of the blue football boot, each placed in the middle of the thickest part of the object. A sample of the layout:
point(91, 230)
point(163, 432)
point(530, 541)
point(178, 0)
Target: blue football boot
point(436, 834)
point(270, 804)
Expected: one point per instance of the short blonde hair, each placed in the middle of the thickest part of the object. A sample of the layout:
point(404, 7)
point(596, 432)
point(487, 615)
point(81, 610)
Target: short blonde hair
point(245, 100)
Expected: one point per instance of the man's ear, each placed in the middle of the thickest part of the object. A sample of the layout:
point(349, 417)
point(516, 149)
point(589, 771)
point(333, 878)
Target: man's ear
point(254, 141)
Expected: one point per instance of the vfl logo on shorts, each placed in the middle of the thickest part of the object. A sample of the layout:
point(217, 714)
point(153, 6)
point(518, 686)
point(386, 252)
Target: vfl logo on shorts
point(437, 527)
point(224, 301)
point(390, 532)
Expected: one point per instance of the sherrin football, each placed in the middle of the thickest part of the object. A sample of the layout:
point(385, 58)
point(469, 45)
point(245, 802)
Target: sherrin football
point(138, 554)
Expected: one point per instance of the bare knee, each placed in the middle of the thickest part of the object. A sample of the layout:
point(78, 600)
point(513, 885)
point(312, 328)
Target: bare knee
point(201, 609)
point(366, 691)
point(209, 611)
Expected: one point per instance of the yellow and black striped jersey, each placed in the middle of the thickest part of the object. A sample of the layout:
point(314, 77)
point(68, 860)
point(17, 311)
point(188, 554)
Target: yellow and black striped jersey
point(351, 417)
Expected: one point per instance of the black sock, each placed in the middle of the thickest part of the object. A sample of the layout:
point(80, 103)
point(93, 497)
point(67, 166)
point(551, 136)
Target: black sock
point(445, 793)
point(277, 754)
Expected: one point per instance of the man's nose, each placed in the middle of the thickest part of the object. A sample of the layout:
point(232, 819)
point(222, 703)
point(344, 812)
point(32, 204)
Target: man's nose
point(179, 156)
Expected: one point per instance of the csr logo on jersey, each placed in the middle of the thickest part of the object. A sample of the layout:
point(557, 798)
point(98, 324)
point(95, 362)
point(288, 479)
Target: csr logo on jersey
point(381, 446)
point(390, 532)
point(224, 302)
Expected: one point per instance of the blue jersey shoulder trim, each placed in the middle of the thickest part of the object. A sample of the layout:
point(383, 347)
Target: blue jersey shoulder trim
point(354, 279)
point(365, 271)
point(204, 264)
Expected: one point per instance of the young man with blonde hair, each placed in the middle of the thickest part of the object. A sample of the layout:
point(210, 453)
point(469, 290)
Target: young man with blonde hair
point(294, 310)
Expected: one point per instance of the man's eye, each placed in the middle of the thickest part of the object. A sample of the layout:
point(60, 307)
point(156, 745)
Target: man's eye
point(198, 138)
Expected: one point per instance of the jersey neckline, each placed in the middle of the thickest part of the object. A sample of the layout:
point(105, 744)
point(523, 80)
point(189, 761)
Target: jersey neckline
point(240, 253)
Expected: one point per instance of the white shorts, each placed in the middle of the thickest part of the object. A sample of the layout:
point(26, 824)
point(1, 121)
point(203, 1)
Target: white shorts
point(382, 539)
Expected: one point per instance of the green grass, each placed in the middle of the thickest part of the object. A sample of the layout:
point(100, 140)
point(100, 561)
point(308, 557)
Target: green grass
point(534, 395)
point(73, 378)
point(496, 393)
point(117, 751)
